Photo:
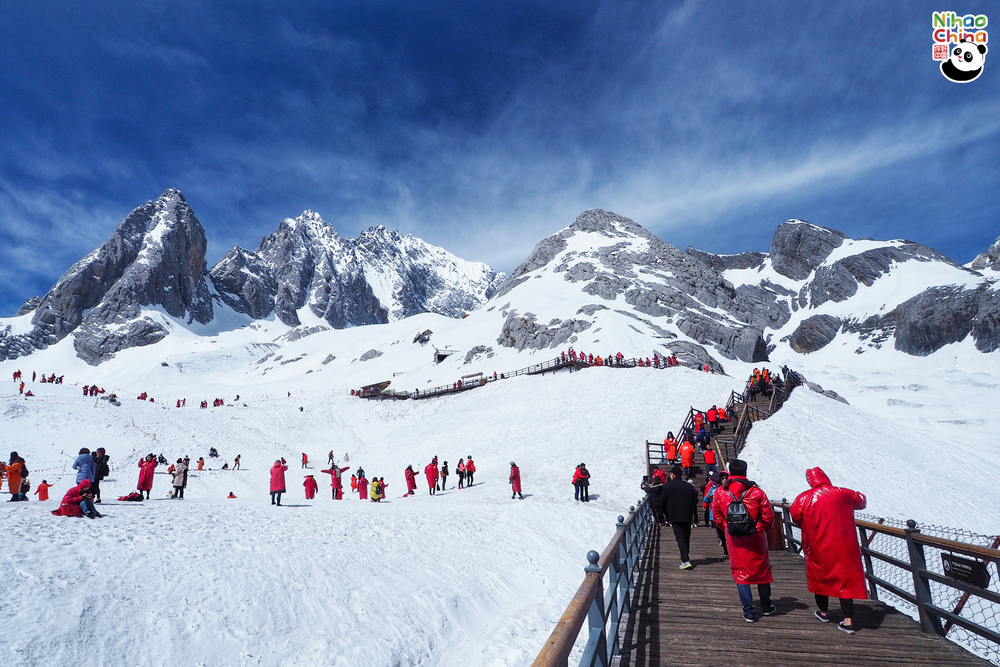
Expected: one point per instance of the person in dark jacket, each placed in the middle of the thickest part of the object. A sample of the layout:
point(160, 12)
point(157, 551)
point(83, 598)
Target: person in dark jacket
point(681, 500)
point(653, 486)
point(101, 470)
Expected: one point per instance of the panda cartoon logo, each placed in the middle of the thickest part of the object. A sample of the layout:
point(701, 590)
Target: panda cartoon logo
point(965, 62)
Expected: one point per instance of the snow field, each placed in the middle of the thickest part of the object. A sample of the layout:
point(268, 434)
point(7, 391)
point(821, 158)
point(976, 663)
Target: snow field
point(469, 577)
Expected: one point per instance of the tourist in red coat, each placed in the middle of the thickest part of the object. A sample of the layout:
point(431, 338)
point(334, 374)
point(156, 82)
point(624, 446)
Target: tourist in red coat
point(277, 482)
point(75, 500)
point(146, 468)
point(336, 482)
point(515, 481)
point(311, 486)
point(431, 471)
point(830, 542)
point(748, 556)
point(411, 480)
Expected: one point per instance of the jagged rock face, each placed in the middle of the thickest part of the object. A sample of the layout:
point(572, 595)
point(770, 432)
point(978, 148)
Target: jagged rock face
point(798, 248)
point(522, 332)
point(379, 277)
point(840, 281)
point(989, 259)
point(814, 333)
point(155, 257)
point(942, 315)
point(743, 260)
point(695, 356)
point(29, 306)
point(622, 260)
point(245, 284)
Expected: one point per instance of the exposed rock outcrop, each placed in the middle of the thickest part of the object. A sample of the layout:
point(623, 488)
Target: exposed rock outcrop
point(798, 248)
point(989, 259)
point(524, 333)
point(813, 333)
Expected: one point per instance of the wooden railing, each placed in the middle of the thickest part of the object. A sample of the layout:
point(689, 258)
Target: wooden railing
point(601, 610)
point(980, 604)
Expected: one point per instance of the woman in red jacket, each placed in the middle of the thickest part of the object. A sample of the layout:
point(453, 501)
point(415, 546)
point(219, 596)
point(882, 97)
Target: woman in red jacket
point(411, 480)
point(78, 502)
point(310, 483)
point(748, 555)
point(277, 481)
point(515, 481)
point(829, 539)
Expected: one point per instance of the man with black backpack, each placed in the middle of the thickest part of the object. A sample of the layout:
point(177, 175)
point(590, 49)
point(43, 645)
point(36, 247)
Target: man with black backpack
point(744, 513)
point(101, 470)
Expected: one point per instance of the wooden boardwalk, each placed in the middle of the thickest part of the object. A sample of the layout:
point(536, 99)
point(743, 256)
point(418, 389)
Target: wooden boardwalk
point(694, 617)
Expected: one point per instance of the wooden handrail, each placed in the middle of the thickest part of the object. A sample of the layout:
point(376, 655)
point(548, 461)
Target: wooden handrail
point(560, 642)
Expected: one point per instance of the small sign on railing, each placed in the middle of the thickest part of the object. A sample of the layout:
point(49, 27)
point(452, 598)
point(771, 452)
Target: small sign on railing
point(970, 571)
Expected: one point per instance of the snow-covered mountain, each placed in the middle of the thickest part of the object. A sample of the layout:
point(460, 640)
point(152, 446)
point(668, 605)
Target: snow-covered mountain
point(863, 294)
point(150, 277)
point(380, 276)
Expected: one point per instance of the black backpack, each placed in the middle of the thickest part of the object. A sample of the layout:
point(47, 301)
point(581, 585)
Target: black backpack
point(738, 519)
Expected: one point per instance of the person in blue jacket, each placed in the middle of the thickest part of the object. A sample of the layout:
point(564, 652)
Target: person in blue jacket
point(84, 466)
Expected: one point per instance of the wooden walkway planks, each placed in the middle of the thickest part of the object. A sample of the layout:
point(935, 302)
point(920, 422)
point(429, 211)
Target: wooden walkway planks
point(694, 617)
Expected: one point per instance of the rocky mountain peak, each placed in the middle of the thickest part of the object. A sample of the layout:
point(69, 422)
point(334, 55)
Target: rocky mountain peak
point(799, 247)
point(988, 260)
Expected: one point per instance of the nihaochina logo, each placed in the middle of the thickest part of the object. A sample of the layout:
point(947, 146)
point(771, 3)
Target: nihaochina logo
point(960, 44)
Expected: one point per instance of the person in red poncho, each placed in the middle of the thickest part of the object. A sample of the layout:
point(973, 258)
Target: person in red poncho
point(830, 542)
point(748, 556)
point(336, 481)
point(277, 482)
point(431, 471)
point(78, 502)
point(411, 480)
point(515, 481)
point(310, 483)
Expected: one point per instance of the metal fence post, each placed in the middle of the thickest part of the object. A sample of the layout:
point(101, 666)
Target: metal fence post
point(595, 617)
point(865, 544)
point(786, 520)
point(621, 573)
point(921, 587)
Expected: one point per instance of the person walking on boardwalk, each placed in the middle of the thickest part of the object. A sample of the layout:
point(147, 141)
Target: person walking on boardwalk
point(581, 483)
point(681, 500)
point(470, 471)
point(687, 458)
point(431, 472)
point(653, 486)
point(515, 481)
point(829, 540)
point(670, 448)
point(743, 511)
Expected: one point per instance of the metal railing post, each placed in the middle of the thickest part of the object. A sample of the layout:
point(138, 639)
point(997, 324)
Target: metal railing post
point(786, 520)
point(921, 587)
point(595, 617)
point(620, 573)
point(865, 542)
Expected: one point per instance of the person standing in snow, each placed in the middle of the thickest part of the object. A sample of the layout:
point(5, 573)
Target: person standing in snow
point(16, 471)
point(84, 466)
point(376, 491)
point(829, 540)
point(101, 470)
point(146, 468)
point(277, 482)
point(305, 460)
point(431, 472)
point(444, 475)
point(515, 481)
point(411, 480)
point(336, 480)
point(581, 483)
point(470, 471)
point(236, 462)
point(746, 541)
point(180, 479)
point(461, 472)
point(362, 485)
point(311, 486)
point(43, 490)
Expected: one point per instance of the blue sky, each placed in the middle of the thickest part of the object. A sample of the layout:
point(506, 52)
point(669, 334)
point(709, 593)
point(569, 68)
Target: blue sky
point(484, 127)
